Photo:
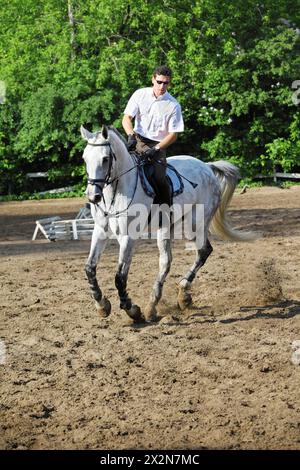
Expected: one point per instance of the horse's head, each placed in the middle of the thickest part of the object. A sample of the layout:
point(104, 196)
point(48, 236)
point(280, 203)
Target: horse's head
point(98, 156)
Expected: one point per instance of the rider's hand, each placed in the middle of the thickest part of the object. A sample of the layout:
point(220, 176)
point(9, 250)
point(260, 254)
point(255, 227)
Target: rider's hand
point(151, 153)
point(131, 142)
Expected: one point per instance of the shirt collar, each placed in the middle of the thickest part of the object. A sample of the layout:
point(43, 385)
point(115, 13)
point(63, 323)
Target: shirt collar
point(161, 97)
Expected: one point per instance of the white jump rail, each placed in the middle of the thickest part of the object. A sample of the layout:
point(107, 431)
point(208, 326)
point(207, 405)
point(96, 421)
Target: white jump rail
point(54, 228)
point(74, 229)
point(45, 226)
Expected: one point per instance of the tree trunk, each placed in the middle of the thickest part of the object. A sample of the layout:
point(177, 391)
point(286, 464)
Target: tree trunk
point(73, 28)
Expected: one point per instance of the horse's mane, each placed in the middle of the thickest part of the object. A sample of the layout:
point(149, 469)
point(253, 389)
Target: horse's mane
point(118, 134)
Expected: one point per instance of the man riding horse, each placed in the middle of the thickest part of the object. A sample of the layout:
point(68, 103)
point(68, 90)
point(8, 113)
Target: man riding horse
point(158, 119)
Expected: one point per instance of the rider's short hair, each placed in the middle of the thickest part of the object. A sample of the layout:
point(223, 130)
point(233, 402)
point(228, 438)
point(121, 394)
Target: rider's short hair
point(162, 70)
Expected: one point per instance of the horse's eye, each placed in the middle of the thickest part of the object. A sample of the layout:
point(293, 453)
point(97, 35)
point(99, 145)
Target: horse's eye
point(105, 159)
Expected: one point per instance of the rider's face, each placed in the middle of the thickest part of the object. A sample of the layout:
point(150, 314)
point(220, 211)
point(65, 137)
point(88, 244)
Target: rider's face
point(160, 84)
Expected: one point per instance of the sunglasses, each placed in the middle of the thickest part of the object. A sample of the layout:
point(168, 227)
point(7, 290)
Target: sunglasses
point(159, 82)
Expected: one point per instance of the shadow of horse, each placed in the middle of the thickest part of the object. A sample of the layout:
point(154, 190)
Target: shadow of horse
point(202, 315)
point(287, 309)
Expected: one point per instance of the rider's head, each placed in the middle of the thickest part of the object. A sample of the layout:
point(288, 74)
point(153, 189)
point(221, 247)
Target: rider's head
point(160, 80)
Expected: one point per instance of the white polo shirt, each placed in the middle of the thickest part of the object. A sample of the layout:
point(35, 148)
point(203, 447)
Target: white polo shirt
point(154, 117)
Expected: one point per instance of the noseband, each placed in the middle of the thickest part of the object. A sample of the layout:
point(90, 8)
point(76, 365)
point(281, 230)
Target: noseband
point(106, 180)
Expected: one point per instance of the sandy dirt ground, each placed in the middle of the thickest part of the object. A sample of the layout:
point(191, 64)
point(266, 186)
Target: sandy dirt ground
point(220, 375)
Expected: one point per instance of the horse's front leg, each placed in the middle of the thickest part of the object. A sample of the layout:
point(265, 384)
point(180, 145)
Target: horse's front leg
point(125, 257)
point(98, 243)
point(165, 259)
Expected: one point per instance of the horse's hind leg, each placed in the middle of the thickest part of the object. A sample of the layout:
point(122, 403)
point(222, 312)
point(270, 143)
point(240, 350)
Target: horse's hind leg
point(184, 296)
point(165, 259)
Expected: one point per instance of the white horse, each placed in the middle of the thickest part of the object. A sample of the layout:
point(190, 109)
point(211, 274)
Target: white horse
point(114, 186)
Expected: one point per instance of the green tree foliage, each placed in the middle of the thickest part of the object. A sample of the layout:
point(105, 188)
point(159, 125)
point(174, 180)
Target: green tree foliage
point(72, 62)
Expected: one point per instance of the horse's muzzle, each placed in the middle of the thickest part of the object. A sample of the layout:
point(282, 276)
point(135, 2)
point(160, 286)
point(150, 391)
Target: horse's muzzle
point(94, 194)
point(95, 198)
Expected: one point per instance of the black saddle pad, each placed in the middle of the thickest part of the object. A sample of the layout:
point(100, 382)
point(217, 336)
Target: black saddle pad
point(149, 184)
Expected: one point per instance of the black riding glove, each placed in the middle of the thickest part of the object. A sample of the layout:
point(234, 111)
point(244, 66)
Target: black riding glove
point(151, 153)
point(131, 142)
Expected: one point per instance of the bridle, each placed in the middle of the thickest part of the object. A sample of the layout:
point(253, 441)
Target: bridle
point(106, 180)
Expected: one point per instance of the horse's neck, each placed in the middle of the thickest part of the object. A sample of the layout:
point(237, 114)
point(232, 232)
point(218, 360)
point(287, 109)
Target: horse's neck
point(124, 165)
point(127, 188)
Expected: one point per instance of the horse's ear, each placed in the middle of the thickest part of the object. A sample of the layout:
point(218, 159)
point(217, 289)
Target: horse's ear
point(85, 134)
point(104, 132)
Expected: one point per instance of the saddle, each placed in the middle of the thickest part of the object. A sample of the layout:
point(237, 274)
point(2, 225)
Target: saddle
point(145, 170)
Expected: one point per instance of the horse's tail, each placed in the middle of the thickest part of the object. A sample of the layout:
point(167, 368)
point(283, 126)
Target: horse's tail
point(228, 176)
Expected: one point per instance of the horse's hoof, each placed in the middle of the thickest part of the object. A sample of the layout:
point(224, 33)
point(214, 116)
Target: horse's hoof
point(150, 313)
point(103, 307)
point(184, 300)
point(135, 313)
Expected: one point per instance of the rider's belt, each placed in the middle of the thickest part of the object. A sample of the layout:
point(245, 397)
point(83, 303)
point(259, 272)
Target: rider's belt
point(147, 141)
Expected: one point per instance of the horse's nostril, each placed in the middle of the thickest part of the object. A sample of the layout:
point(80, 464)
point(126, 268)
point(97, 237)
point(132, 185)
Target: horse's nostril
point(95, 198)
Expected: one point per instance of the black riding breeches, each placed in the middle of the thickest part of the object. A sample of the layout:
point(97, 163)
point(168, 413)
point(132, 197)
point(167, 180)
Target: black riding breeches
point(159, 167)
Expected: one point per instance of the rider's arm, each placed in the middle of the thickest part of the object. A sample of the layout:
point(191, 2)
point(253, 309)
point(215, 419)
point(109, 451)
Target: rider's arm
point(168, 140)
point(127, 124)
